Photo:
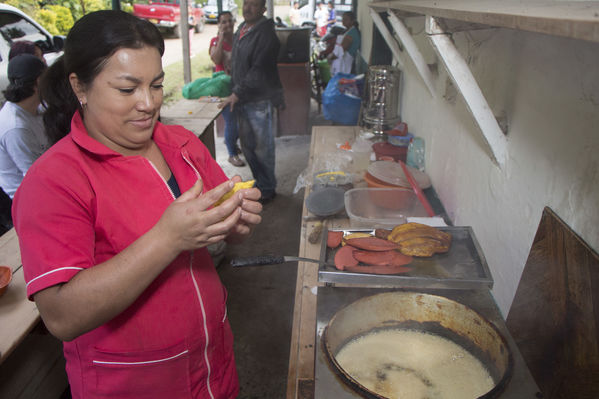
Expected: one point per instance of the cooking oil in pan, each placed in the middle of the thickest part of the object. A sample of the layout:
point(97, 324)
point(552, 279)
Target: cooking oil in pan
point(410, 364)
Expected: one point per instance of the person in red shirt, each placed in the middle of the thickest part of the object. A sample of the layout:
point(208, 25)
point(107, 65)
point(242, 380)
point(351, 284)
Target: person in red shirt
point(113, 223)
point(220, 53)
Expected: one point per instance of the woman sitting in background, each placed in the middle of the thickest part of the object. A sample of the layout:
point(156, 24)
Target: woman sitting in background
point(22, 138)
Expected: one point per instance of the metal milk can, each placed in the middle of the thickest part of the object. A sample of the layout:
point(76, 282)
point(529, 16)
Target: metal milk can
point(380, 110)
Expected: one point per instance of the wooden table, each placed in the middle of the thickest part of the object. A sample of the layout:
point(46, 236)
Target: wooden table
point(195, 115)
point(300, 380)
point(18, 315)
point(31, 360)
point(301, 373)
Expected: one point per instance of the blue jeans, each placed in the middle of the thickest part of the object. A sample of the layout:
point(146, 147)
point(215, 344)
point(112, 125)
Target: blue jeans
point(231, 131)
point(257, 124)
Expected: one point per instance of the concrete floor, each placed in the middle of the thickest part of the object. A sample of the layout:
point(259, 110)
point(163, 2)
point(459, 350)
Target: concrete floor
point(261, 298)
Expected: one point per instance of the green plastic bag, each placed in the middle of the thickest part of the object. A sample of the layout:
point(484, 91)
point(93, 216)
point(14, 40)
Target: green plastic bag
point(219, 85)
point(325, 71)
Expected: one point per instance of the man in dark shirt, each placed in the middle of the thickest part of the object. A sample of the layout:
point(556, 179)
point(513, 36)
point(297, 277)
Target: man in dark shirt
point(257, 93)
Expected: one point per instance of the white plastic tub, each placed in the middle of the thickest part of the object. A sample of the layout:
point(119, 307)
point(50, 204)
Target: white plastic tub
point(381, 207)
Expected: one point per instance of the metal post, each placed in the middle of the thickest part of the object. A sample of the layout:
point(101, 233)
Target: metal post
point(312, 5)
point(219, 6)
point(270, 9)
point(185, 41)
point(116, 4)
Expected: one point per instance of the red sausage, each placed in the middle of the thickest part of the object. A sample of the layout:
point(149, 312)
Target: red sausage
point(372, 244)
point(378, 269)
point(400, 259)
point(334, 238)
point(392, 257)
point(374, 257)
point(344, 257)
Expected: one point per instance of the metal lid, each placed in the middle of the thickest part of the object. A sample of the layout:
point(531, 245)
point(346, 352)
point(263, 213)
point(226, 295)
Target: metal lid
point(326, 201)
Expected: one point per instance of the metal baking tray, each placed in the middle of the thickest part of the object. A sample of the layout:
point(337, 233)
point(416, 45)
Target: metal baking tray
point(462, 267)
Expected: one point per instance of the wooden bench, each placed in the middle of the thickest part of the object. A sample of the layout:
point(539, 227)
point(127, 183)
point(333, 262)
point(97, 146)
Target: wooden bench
point(31, 360)
point(195, 115)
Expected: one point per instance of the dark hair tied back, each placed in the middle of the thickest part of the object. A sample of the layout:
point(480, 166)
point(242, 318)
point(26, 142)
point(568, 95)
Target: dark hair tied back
point(91, 41)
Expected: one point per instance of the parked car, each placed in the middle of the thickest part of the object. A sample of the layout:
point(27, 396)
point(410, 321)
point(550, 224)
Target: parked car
point(15, 25)
point(211, 9)
point(166, 15)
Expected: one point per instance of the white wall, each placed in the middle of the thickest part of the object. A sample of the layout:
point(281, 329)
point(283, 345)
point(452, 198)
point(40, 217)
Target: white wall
point(548, 89)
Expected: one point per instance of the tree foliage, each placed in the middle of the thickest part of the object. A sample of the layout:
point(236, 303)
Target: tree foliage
point(58, 16)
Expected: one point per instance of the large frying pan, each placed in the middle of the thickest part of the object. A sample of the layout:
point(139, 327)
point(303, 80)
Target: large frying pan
point(425, 312)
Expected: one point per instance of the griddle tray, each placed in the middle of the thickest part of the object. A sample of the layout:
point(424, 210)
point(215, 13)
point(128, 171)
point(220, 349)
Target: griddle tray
point(462, 267)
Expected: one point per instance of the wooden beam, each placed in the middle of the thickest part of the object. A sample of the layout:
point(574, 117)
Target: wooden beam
point(380, 24)
point(573, 19)
point(466, 83)
point(412, 49)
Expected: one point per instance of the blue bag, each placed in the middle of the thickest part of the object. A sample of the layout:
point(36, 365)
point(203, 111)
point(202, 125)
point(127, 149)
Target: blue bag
point(340, 105)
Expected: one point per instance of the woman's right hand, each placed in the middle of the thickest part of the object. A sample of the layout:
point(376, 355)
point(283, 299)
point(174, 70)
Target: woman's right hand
point(189, 223)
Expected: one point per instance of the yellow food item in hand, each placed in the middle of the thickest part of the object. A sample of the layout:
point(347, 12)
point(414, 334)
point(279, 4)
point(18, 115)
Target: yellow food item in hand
point(237, 187)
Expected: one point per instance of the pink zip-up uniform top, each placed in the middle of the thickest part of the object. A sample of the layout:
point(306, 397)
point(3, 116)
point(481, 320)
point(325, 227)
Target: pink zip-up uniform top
point(81, 204)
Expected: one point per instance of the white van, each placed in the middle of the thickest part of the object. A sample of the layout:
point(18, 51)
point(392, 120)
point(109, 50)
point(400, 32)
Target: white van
point(15, 25)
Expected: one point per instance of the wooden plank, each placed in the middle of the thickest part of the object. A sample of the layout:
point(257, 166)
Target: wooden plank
point(18, 315)
point(460, 74)
point(380, 25)
point(554, 318)
point(573, 19)
point(206, 108)
point(412, 49)
point(36, 369)
point(10, 255)
point(197, 116)
point(301, 357)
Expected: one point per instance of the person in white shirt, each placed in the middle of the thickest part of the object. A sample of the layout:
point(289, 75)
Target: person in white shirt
point(321, 15)
point(22, 134)
point(295, 16)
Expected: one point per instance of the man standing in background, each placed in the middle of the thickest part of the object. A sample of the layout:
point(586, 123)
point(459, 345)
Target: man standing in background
point(257, 93)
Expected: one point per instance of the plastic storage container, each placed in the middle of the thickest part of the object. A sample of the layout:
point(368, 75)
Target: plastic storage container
point(381, 207)
point(400, 141)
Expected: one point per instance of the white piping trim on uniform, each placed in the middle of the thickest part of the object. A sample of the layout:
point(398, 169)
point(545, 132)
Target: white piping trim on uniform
point(192, 167)
point(163, 179)
point(195, 283)
point(199, 177)
point(146, 362)
point(54, 271)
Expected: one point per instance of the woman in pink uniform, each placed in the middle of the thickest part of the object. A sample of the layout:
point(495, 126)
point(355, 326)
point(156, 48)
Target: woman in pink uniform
point(113, 223)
